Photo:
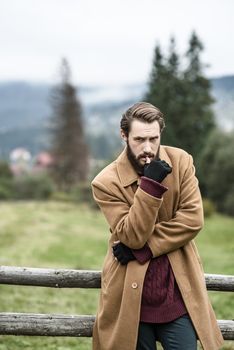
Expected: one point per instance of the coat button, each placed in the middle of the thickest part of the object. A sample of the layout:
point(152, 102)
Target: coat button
point(134, 285)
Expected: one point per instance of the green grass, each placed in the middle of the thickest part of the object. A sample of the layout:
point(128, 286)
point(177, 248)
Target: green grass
point(216, 247)
point(56, 235)
point(64, 235)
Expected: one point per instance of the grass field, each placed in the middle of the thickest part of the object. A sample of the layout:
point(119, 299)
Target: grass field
point(65, 235)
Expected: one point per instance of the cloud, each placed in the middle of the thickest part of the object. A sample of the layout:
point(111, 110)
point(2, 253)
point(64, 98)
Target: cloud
point(108, 41)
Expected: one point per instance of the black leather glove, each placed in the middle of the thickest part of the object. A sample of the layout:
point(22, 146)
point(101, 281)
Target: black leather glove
point(123, 253)
point(157, 170)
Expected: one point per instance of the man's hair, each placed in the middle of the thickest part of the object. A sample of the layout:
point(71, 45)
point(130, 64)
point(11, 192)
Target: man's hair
point(142, 111)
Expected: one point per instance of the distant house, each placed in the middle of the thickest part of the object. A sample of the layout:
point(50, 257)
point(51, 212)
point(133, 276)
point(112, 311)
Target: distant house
point(20, 161)
point(42, 162)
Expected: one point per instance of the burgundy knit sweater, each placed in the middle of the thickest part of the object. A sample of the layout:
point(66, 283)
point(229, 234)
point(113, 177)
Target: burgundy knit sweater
point(161, 299)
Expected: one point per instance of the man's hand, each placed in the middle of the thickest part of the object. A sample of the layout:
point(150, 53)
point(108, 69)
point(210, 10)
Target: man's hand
point(157, 170)
point(122, 253)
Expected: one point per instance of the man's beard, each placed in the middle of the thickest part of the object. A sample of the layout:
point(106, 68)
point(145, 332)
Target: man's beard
point(135, 161)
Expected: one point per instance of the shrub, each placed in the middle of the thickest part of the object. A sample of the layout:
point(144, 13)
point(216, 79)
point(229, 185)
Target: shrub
point(79, 194)
point(82, 193)
point(33, 187)
point(216, 168)
point(5, 171)
point(228, 205)
point(61, 196)
point(208, 207)
point(6, 190)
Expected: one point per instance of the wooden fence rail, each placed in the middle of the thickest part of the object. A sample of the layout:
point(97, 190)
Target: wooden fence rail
point(75, 325)
point(64, 278)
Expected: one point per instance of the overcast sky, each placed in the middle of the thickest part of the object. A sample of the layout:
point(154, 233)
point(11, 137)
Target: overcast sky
point(109, 41)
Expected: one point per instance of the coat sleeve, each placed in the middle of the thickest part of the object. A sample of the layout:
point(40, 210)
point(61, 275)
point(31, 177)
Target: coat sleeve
point(132, 225)
point(187, 221)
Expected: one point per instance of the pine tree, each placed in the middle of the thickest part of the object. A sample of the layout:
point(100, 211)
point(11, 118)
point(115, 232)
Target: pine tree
point(183, 96)
point(68, 147)
point(174, 105)
point(158, 78)
point(165, 90)
point(200, 117)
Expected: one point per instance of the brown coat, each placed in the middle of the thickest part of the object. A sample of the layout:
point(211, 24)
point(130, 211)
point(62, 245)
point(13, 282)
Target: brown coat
point(169, 226)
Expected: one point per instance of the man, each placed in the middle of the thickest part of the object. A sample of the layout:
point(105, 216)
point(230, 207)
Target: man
point(153, 286)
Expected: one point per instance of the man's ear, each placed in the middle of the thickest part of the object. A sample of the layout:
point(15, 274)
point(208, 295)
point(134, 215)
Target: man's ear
point(123, 136)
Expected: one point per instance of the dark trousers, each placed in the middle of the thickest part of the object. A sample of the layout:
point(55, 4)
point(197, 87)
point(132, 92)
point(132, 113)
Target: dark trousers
point(175, 335)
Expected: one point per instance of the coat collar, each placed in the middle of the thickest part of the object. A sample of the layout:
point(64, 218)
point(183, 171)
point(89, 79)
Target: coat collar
point(164, 155)
point(127, 173)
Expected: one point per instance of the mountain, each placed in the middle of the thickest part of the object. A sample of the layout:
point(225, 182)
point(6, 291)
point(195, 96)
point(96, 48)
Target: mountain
point(22, 105)
point(25, 111)
point(223, 92)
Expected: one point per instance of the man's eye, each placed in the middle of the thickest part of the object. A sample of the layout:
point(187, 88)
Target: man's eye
point(139, 139)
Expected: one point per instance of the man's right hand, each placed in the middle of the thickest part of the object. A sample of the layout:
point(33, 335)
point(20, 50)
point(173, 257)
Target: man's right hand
point(122, 253)
point(157, 170)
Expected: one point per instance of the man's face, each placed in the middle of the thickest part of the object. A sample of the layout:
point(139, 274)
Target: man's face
point(143, 141)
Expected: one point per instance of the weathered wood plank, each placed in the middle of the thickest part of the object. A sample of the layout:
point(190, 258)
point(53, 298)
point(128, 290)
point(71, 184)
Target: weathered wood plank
point(222, 283)
point(46, 325)
point(64, 278)
point(66, 325)
point(227, 329)
point(57, 278)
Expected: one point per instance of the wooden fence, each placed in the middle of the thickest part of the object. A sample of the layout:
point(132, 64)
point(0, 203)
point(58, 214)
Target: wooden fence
point(75, 325)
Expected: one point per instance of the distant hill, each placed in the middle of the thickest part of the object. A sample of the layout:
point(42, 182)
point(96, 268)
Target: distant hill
point(223, 92)
point(25, 111)
point(225, 83)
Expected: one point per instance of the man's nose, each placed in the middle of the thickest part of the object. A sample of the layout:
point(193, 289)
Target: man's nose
point(147, 147)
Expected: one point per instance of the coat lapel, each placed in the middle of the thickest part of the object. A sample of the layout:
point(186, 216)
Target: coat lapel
point(126, 172)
